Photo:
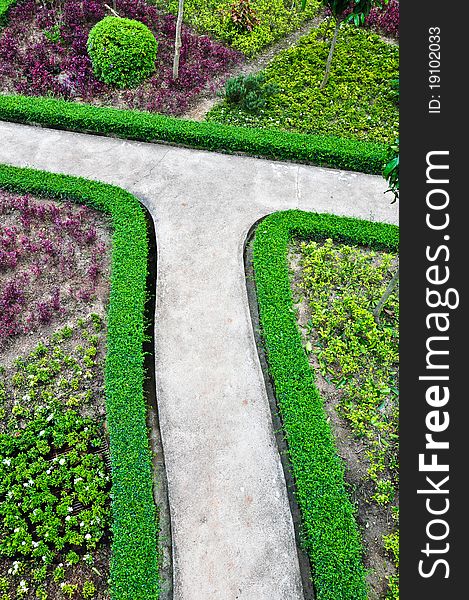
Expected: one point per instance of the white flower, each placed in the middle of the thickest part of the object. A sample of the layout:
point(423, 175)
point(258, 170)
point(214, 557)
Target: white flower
point(62, 461)
point(68, 517)
point(70, 509)
point(82, 524)
point(48, 471)
point(88, 536)
point(7, 462)
point(42, 432)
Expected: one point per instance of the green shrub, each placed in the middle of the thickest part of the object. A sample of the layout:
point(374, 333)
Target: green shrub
point(123, 51)
point(250, 92)
point(134, 558)
point(357, 103)
point(4, 7)
point(277, 145)
point(330, 534)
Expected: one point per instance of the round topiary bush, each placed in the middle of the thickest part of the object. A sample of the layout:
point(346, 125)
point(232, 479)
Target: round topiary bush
point(122, 51)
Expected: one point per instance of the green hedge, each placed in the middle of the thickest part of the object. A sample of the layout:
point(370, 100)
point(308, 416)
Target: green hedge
point(134, 560)
point(354, 155)
point(330, 533)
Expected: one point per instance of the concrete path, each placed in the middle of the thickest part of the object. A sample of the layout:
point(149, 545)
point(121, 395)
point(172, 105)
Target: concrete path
point(232, 529)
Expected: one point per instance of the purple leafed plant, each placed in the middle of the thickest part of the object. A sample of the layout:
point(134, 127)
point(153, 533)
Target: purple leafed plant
point(385, 18)
point(43, 52)
point(53, 261)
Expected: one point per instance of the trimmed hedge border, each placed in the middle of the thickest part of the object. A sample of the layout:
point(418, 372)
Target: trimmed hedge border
point(134, 557)
point(328, 151)
point(329, 531)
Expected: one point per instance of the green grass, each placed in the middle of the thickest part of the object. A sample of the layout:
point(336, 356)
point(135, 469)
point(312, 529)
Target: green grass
point(134, 560)
point(277, 19)
point(357, 103)
point(330, 533)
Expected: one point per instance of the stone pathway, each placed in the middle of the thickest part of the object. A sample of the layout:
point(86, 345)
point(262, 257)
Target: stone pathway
point(232, 529)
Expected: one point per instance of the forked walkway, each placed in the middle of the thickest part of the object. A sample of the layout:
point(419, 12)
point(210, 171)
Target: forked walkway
point(232, 529)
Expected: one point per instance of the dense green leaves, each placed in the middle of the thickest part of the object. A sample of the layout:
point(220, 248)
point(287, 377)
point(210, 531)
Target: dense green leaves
point(134, 561)
point(342, 284)
point(54, 484)
point(324, 150)
point(273, 19)
point(123, 51)
point(357, 103)
point(329, 529)
point(4, 6)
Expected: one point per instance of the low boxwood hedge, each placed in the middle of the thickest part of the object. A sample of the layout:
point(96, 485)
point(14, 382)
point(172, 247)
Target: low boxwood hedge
point(329, 530)
point(354, 155)
point(134, 560)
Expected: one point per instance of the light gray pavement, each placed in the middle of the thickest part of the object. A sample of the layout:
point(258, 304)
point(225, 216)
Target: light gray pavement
point(232, 529)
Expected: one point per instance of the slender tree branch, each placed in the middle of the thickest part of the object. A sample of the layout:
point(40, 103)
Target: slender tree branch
point(384, 298)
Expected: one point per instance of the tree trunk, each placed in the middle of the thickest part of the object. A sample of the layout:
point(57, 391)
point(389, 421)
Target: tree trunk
point(178, 41)
point(384, 298)
point(331, 53)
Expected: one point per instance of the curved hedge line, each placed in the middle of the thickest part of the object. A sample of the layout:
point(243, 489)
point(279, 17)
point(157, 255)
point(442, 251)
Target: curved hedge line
point(134, 560)
point(329, 530)
point(354, 155)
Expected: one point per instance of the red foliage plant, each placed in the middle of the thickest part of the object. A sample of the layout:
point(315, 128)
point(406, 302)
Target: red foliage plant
point(53, 262)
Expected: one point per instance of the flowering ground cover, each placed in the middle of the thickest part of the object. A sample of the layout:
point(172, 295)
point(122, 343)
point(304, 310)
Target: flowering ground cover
point(54, 462)
point(356, 362)
point(359, 101)
point(43, 53)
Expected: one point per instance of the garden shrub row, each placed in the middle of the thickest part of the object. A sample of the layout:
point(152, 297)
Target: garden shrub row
point(134, 560)
point(355, 155)
point(329, 531)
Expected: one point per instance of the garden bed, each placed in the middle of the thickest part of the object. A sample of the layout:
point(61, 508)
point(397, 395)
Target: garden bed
point(355, 360)
point(329, 531)
point(58, 519)
point(258, 26)
point(43, 52)
point(358, 102)
point(55, 482)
